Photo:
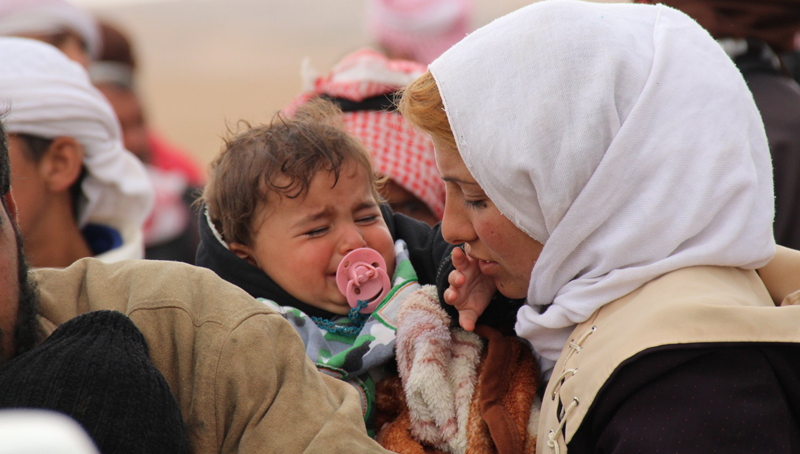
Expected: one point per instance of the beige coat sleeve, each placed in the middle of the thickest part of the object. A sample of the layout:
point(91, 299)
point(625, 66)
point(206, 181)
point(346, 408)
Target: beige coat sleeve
point(283, 404)
point(238, 370)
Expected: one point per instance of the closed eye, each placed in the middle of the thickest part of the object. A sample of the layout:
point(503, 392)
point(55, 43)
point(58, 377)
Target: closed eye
point(316, 232)
point(367, 219)
point(475, 204)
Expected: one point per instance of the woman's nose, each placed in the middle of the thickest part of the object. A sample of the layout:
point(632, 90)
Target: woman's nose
point(456, 227)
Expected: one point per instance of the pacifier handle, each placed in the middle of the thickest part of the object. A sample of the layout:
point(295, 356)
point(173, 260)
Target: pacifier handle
point(361, 275)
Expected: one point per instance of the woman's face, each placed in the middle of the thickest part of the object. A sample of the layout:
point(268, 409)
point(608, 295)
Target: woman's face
point(504, 252)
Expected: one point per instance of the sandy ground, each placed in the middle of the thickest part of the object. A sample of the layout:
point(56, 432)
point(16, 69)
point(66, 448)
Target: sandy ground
point(207, 63)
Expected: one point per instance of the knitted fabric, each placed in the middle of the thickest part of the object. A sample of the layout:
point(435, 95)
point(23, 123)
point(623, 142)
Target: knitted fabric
point(456, 394)
point(357, 359)
point(96, 369)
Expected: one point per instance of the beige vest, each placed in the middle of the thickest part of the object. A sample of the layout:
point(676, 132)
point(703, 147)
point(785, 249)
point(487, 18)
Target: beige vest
point(693, 305)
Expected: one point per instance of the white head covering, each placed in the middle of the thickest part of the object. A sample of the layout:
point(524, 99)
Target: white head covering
point(622, 137)
point(20, 17)
point(44, 432)
point(49, 96)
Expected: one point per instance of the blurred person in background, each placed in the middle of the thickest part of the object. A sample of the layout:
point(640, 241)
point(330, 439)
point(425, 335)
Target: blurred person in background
point(363, 84)
point(79, 192)
point(56, 22)
point(418, 30)
point(754, 35)
point(170, 233)
point(791, 58)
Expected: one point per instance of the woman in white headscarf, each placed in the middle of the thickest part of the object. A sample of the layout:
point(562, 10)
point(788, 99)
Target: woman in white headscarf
point(607, 163)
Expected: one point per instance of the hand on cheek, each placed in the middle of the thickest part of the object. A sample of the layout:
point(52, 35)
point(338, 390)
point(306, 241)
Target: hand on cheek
point(470, 290)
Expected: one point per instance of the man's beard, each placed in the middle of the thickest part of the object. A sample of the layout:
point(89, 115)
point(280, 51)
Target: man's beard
point(26, 331)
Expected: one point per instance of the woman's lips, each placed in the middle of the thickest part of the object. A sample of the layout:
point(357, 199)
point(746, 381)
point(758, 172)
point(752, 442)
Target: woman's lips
point(487, 267)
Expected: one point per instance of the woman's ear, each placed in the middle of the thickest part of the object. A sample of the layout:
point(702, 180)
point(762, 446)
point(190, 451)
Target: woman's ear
point(62, 164)
point(243, 252)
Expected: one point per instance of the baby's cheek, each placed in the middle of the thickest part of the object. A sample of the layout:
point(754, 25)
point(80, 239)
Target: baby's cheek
point(391, 261)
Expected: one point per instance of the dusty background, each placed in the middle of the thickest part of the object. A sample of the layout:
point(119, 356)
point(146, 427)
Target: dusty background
point(208, 63)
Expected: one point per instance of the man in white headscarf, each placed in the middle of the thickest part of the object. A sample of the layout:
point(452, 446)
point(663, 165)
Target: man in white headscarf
point(71, 29)
point(79, 192)
point(607, 163)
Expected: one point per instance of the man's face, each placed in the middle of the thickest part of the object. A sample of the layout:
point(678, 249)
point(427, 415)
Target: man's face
point(18, 301)
point(30, 189)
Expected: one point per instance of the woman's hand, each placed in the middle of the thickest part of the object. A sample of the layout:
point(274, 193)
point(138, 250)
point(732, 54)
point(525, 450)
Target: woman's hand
point(470, 290)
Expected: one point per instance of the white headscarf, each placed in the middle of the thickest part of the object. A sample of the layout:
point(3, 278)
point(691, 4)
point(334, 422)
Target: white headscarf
point(49, 96)
point(21, 17)
point(622, 137)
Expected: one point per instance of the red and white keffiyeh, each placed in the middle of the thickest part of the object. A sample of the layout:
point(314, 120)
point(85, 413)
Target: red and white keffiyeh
point(398, 150)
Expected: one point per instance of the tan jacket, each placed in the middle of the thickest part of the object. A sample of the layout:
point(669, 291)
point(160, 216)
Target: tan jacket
point(238, 370)
point(688, 306)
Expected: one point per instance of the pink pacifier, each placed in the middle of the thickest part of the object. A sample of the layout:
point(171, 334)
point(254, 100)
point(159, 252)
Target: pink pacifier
point(361, 275)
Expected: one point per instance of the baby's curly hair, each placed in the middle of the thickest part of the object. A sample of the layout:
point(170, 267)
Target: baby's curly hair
point(281, 157)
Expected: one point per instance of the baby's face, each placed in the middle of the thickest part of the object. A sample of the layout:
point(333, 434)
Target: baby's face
point(301, 241)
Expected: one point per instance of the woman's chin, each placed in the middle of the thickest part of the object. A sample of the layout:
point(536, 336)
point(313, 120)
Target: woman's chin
point(512, 290)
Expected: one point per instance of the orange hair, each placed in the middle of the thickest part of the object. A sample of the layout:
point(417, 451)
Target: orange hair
point(422, 105)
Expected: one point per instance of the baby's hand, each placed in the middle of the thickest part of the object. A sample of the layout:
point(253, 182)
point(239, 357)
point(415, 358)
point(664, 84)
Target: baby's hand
point(470, 290)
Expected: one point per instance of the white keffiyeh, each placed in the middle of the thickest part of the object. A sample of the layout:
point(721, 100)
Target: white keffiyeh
point(49, 96)
point(620, 136)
